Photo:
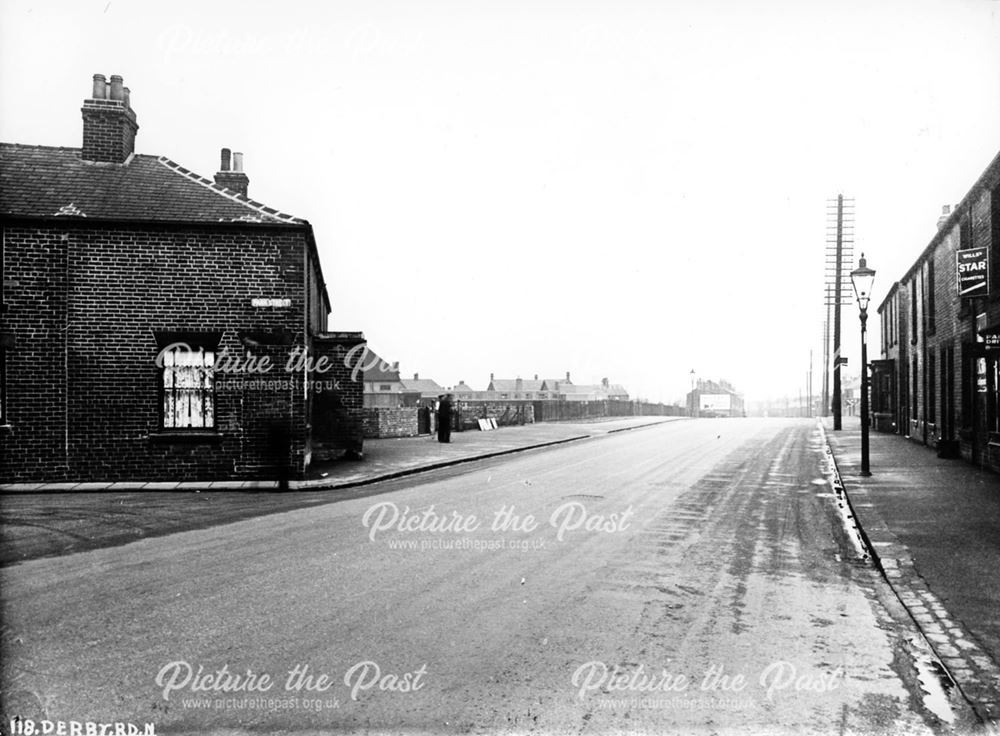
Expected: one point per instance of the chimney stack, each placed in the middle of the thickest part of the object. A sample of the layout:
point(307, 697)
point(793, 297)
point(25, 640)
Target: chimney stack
point(945, 214)
point(416, 376)
point(109, 124)
point(567, 377)
point(230, 175)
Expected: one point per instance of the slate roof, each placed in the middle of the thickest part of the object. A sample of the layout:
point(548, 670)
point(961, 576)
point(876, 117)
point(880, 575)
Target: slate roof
point(376, 370)
point(46, 181)
point(553, 384)
point(510, 384)
point(426, 386)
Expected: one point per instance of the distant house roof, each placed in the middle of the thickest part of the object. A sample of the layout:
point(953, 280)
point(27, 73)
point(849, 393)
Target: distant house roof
point(511, 384)
point(553, 384)
point(616, 389)
point(377, 370)
point(426, 386)
point(463, 387)
point(47, 181)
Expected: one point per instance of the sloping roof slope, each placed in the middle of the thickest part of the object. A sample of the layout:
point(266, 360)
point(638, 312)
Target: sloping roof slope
point(47, 181)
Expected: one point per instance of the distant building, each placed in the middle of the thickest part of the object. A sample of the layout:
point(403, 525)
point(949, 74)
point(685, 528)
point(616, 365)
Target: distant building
point(419, 390)
point(382, 384)
point(518, 389)
point(715, 399)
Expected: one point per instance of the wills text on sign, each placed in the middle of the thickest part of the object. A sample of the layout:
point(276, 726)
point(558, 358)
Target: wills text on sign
point(973, 272)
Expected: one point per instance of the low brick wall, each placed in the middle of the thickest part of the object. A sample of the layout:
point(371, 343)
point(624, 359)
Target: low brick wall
point(383, 422)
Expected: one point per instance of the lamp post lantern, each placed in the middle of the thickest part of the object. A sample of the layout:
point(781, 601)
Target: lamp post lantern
point(863, 277)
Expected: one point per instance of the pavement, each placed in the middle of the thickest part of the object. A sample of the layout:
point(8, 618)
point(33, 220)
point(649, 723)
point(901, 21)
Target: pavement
point(933, 526)
point(48, 519)
point(383, 458)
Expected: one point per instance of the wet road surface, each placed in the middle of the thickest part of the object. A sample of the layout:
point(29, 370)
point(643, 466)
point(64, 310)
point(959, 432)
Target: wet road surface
point(686, 578)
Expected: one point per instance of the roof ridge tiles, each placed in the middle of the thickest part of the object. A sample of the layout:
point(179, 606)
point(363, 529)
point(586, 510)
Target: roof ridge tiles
point(252, 204)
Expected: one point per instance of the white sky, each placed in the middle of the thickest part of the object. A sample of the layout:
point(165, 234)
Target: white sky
point(617, 188)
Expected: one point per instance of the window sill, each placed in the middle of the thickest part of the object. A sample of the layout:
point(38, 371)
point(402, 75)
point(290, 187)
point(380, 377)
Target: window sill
point(186, 436)
point(6, 428)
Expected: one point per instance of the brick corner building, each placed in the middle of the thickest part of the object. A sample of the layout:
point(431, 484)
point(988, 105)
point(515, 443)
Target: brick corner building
point(134, 296)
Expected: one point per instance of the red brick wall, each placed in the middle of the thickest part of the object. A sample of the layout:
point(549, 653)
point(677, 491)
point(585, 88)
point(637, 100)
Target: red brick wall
point(84, 302)
point(387, 422)
point(109, 130)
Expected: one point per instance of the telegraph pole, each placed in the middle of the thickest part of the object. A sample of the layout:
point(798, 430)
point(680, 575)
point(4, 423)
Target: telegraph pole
point(836, 312)
point(840, 240)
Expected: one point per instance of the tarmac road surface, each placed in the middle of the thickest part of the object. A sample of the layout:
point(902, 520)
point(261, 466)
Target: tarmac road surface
point(691, 577)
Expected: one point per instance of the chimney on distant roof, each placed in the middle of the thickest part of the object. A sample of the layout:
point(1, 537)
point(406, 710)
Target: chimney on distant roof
point(604, 382)
point(416, 376)
point(109, 124)
point(567, 377)
point(536, 376)
point(230, 175)
point(945, 214)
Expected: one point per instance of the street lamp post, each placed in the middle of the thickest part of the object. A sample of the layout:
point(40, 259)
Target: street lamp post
point(694, 396)
point(863, 277)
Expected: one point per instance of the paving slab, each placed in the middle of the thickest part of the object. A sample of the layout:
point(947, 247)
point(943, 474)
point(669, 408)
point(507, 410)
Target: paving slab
point(934, 527)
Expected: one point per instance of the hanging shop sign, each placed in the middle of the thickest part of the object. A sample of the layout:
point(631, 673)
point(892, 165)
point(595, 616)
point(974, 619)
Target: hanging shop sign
point(973, 272)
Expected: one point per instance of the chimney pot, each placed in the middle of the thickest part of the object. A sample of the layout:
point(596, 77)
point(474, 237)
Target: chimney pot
point(230, 175)
point(117, 88)
point(99, 84)
point(945, 214)
point(491, 377)
point(127, 97)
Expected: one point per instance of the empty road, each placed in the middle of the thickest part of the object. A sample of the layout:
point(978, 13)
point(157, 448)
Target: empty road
point(691, 577)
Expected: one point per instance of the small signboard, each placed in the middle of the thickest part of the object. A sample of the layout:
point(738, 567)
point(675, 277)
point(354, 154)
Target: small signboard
point(973, 272)
point(992, 340)
point(716, 402)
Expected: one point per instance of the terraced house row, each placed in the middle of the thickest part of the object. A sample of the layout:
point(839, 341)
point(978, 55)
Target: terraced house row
point(938, 378)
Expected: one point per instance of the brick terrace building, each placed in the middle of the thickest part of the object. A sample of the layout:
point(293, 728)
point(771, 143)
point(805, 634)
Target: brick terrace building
point(715, 399)
point(109, 258)
point(937, 382)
